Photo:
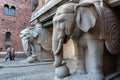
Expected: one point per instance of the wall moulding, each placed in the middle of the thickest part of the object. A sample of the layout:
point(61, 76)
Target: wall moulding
point(114, 3)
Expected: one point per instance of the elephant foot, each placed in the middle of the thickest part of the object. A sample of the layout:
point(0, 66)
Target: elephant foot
point(30, 59)
point(39, 58)
point(80, 72)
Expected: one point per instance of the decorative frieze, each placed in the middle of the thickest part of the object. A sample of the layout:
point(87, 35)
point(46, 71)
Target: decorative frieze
point(52, 3)
point(42, 10)
point(114, 3)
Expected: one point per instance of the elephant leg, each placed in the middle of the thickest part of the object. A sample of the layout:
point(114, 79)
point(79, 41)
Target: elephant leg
point(80, 61)
point(38, 52)
point(58, 59)
point(80, 58)
point(94, 58)
point(31, 49)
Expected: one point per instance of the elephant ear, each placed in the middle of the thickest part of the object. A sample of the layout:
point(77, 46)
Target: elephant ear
point(86, 17)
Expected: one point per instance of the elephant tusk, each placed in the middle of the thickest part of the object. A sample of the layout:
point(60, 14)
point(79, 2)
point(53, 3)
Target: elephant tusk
point(61, 40)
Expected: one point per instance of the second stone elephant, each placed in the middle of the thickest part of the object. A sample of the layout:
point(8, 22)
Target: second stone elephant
point(36, 41)
point(90, 26)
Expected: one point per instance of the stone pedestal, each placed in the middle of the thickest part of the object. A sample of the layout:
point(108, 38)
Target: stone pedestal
point(81, 77)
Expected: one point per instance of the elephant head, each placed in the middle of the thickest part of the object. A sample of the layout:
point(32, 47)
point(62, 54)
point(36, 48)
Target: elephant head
point(24, 37)
point(67, 17)
point(63, 25)
point(28, 36)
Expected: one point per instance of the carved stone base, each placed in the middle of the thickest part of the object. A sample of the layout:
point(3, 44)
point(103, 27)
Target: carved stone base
point(82, 77)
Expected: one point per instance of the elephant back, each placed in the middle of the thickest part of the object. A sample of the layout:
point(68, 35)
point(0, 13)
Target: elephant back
point(112, 31)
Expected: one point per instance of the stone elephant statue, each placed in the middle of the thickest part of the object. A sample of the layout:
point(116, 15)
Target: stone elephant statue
point(35, 42)
point(91, 27)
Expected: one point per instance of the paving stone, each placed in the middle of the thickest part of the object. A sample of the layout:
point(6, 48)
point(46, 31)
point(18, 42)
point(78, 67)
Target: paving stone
point(14, 70)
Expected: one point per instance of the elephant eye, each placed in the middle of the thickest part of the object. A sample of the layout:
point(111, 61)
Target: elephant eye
point(61, 20)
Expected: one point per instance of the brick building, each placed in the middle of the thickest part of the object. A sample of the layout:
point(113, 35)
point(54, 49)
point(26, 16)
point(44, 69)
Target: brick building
point(14, 17)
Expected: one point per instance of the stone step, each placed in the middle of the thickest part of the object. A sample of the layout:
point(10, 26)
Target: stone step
point(113, 76)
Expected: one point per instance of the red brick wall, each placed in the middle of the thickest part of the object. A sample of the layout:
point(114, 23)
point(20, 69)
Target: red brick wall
point(14, 24)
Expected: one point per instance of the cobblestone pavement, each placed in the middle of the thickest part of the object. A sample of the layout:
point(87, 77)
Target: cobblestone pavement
point(14, 70)
point(39, 72)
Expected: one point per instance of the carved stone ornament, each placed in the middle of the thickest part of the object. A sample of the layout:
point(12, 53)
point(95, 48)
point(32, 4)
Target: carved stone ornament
point(92, 26)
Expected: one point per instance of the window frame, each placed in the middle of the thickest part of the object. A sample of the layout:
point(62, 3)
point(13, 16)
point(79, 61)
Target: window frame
point(4, 10)
point(12, 11)
point(9, 11)
point(8, 37)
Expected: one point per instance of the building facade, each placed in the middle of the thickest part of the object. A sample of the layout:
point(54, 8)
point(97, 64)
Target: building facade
point(14, 17)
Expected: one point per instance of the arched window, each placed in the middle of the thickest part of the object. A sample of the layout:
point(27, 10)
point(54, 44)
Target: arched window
point(8, 36)
point(12, 11)
point(6, 9)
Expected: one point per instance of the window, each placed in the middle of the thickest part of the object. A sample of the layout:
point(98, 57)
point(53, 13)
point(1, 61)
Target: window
point(12, 11)
point(8, 36)
point(9, 11)
point(6, 9)
point(0, 49)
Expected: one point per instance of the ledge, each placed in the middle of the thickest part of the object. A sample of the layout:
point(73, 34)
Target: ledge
point(43, 9)
point(52, 3)
point(112, 76)
point(114, 3)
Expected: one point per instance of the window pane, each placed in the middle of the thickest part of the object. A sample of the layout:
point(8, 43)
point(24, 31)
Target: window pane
point(8, 35)
point(12, 11)
point(6, 10)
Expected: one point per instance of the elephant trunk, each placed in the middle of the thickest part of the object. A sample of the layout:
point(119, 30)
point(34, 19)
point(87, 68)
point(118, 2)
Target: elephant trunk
point(57, 47)
point(25, 45)
point(60, 45)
